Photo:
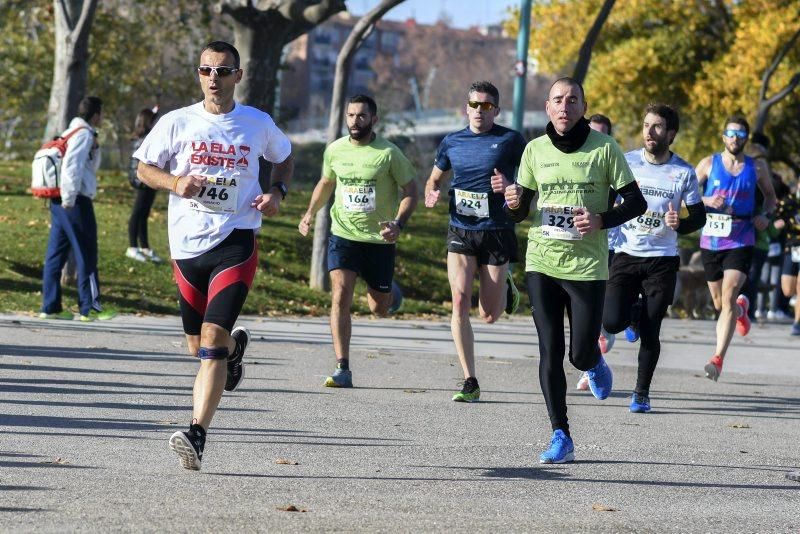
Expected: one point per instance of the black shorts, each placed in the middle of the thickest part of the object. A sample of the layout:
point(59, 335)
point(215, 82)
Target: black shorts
point(213, 286)
point(374, 262)
point(490, 247)
point(654, 277)
point(789, 268)
point(716, 262)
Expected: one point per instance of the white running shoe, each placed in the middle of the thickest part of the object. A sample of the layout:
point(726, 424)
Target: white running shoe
point(150, 254)
point(583, 383)
point(779, 316)
point(135, 254)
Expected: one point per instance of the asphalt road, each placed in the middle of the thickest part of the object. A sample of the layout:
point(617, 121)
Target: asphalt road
point(86, 411)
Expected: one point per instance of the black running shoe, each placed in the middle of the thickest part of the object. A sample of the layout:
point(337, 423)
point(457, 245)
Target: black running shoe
point(241, 336)
point(189, 447)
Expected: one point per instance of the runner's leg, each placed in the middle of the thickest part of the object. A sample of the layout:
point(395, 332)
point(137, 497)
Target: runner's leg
point(492, 291)
point(343, 283)
point(461, 272)
point(657, 294)
point(727, 290)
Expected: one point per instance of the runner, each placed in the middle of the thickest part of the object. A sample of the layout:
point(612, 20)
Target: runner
point(788, 217)
point(211, 150)
point(729, 182)
point(481, 238)
point(365, 171)
point(571, 168)
point(646, 261)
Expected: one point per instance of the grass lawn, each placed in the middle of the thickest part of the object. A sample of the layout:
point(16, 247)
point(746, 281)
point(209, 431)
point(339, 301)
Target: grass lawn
point(281, 283)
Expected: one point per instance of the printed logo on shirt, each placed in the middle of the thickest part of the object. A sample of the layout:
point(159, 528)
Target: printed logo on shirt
point(657, 192)
point(213, 154)
point(546, 165)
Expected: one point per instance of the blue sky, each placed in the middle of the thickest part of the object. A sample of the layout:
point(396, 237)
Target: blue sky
point(463, 13)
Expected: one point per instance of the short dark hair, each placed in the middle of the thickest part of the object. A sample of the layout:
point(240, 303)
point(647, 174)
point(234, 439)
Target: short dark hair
point(569, 81)
point(364, 99)
point(222, 46)
point(760, 138)
point(485, 87)
point(667, 113)
point(89, 106)
point(143, 123)
point(737, 119)
point(601, 119)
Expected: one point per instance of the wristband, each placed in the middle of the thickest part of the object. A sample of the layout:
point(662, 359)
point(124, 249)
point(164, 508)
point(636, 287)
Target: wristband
point(281, 187)
point(175, 183)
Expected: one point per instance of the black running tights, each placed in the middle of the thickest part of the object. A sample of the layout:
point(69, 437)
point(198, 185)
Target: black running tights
point(137, 224)
point(583, 301)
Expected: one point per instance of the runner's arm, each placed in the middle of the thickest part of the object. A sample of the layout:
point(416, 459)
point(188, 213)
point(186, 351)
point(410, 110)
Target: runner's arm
point(765, 184)
point(319, 197)
point(433, 186)
point(282, 172)
point(156, 178)
point(519, 213)
point(695, 220)
point(633, 204)
point(408, 203)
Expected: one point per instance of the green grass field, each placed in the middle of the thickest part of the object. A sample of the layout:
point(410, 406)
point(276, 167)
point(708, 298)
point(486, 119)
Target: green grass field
point(281, 284)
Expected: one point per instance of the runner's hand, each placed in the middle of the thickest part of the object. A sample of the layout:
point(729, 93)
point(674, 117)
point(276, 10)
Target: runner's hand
point(189, 186)
point(499, 182)
point(305, 224)
point(432, 197)
point(390, 231)
point(760, 222)
point(671, 218)
point(513, 194)
point(587, 222)
point(716, 201)
point(779, 224)
point(268, 204)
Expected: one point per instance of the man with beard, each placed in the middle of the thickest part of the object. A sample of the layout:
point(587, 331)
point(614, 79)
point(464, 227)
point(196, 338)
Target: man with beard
point(365, 172)
point(729, 181)
point(571, 168)
point(480, 239)
point(646, 256)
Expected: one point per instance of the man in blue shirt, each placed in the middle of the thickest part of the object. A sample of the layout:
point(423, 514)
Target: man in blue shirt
point(481, 240)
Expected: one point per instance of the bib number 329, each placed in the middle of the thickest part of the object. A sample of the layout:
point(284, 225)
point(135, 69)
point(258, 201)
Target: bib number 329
point(558, 222)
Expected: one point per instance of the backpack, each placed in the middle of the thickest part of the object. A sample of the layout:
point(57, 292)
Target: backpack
point(46, 166)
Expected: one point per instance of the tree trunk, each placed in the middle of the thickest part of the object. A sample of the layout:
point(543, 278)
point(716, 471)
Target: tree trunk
point(765, 103)
point(318, 277)
point(73, 22)
point(585, 54)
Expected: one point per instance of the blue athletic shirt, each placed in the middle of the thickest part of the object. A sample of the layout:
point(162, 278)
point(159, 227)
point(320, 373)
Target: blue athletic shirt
point(473, 158)
point(661, 184)
point(740, 202)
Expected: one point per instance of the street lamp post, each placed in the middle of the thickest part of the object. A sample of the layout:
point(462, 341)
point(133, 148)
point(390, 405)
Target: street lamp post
point(521, 67)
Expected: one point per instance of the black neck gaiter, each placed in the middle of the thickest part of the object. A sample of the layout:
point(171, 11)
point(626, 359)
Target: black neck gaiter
point(573, 139)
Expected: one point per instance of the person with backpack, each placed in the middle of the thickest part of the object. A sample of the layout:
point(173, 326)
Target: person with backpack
point(138, 243)
point(72, 221)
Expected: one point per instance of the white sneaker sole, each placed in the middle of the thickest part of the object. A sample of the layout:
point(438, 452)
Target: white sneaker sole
point(569, 457)
point(185, 451)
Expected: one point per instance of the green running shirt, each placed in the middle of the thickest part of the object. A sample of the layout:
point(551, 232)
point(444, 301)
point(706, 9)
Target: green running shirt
point(564, 182)
point(367, 182)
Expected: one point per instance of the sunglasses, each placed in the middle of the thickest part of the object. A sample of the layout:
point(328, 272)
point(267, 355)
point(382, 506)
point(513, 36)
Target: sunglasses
point(741, 134)
point(484, 106)
point(220, 71)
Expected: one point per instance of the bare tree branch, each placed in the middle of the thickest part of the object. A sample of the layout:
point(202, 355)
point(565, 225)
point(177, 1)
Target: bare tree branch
point(764, 103)
point(585, 53)
point(776, 61)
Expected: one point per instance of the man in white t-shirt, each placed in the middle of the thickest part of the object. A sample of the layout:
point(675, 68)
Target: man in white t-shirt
point(206, 155)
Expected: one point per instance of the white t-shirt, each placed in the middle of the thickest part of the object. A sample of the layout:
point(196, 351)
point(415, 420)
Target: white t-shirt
point(226, 149)
point(670, 182)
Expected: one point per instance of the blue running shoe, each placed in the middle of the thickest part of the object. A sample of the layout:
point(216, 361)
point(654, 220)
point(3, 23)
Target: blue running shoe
point(795, 329)
point(397, 298)
point(640, 403)
point(561, 450)
point(341, 378)
point(601, 379)
point(632, 333)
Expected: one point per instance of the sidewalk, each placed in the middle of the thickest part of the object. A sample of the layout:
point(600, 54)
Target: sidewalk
point(86, 410)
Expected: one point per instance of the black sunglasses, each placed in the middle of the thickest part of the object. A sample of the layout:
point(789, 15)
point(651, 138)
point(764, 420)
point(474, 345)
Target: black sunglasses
point(221, 71)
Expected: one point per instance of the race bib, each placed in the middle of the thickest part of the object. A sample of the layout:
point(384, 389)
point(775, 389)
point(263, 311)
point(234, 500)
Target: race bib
point(558, 223)
point(774, 250)
point(650, 223)
point(472, 204)
point(219, 194)
point(358, 198)
point(796, 254)
point(718, 225)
